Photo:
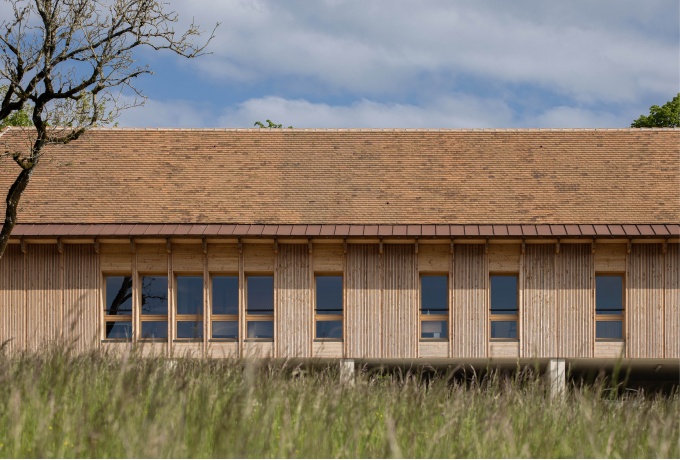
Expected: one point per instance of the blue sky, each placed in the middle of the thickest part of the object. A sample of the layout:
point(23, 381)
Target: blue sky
point(427, 63)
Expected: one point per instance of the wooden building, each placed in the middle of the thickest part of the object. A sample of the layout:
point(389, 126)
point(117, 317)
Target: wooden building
point(431, 246)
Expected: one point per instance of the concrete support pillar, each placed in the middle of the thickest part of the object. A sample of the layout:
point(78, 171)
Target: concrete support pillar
point(347, 370)
point(557, 376)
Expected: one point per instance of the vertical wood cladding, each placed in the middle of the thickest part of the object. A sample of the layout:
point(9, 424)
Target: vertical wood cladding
point(538, 312)
point(43, 295)
point(400, 301)
point(470, 306)
point(362, 303)
point(294, 302)
point(12, 299)
point(81, 296)
point(672, 302)
point(644, 302)
point(575, 304)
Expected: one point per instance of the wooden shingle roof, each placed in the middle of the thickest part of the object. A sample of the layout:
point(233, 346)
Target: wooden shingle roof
point(421, 178)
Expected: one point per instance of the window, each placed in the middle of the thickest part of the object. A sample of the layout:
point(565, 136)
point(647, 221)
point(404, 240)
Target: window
point(328, 318)
point(225, 307)
point(609, 307)
point(504, 307)
point(118, 308)
point(260, 307)
point(434, 306)
point(189, 308)
point(154, 307)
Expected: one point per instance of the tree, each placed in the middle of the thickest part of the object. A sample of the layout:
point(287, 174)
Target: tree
point(666, 116)
point(66, 62)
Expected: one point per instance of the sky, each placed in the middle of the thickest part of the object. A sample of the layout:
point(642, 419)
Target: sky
point(416, 64)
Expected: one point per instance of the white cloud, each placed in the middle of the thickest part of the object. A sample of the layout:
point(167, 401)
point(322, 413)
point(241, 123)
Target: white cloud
point(166, 114)
point(458, 111)
point(591, 51)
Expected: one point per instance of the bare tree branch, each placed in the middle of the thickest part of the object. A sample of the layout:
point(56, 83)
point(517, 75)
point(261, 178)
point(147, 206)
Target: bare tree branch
point(67, 61)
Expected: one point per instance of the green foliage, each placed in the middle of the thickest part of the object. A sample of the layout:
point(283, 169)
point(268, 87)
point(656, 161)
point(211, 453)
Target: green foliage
point(270, 124)
point(57, 405)
point(18, 118)
point(666, 116)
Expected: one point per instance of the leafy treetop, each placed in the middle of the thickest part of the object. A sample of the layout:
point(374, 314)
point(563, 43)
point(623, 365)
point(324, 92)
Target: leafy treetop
point(270, 124)
point(666, 116)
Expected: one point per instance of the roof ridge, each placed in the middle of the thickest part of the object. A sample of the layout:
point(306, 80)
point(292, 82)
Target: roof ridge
point(380, 130)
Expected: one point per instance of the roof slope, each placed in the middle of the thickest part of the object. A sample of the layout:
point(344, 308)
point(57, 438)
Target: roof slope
point(354, 177)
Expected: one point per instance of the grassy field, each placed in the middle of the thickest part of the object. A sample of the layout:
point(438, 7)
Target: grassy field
point(54, 405)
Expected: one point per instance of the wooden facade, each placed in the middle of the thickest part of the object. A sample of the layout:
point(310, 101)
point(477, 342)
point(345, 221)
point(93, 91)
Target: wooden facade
point(376, 212)
point(55, 292)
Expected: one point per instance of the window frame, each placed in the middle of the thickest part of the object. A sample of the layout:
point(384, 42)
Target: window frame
point(248, 318)
point(118, 318)
point(184, 317)
point(604, 317)
point(222, 317)
point(437, 317)
point(324, 317)
point(155, 317)
point(504, 316)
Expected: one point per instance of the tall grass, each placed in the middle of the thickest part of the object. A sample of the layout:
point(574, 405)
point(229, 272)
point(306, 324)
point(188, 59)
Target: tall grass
point(54, 404)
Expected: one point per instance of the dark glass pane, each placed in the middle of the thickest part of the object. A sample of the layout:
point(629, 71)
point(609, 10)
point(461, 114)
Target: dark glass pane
point(329, 329)
point(609, 329)
point(189, 329)
point(609, 294)
point(260, 329)
point(189, 295)
point(503, 294)
point(503, 329)
point(329, 295)
point(154, 295)
point(118, 295)
point(119, 330)
point(434, 295)
point(225, 329)
point(433, 329)
point(154, 330)
point(225, 295)
point(260, 295)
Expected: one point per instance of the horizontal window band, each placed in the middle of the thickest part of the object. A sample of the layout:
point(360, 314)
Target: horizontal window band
point(497, 317)
point(328, 317)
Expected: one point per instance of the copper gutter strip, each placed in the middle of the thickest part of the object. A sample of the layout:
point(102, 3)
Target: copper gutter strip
point(353, 230)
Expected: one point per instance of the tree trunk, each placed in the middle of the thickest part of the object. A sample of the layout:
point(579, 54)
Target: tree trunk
point(12, 203)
